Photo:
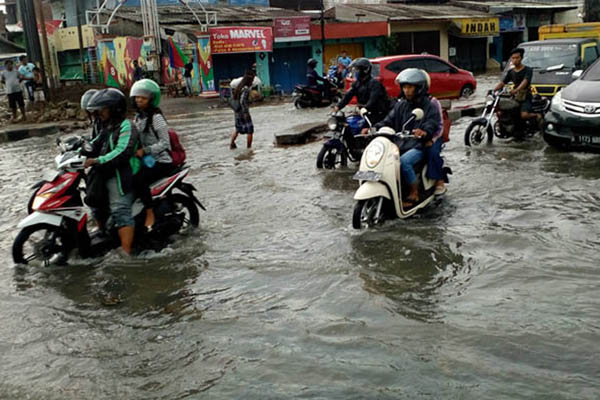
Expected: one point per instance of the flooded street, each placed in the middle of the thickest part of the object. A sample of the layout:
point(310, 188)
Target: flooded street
point(492, 293)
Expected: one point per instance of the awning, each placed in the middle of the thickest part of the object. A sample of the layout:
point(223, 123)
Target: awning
point(348, 30)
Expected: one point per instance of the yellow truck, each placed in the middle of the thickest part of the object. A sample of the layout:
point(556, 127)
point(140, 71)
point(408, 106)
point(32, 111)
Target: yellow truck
point(563, 49)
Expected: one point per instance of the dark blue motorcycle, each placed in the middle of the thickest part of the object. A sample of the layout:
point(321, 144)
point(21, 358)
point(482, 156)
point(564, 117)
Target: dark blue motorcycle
point(345, 140)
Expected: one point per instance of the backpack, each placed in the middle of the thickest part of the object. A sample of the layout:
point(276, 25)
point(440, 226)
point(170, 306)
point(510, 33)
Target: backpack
point(177, 151)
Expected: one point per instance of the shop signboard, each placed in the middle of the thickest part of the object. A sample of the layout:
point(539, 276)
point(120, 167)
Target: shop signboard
point(240, 39)
point(291, 29)
point(480, 26)
point(515, 23)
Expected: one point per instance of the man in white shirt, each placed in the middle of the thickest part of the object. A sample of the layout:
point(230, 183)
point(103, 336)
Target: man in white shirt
point(11, 78)
point(26, 70)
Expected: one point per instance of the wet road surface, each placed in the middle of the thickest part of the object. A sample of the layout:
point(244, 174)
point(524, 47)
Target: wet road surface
point(492, 293)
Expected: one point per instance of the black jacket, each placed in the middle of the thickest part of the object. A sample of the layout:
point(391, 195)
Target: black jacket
point(402, 112)
point(313, 78)
point(371, 95)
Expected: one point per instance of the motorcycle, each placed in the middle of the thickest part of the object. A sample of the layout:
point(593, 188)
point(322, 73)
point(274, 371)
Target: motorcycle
point(57, 220)
point(305, 96)
point(502, 118)
point(381, 189)
point(346, 141)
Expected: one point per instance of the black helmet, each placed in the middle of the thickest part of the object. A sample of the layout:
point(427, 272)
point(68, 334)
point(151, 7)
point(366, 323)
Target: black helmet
point(312, 62)
point(109, 98)
point(362, 66)
point(415, 77)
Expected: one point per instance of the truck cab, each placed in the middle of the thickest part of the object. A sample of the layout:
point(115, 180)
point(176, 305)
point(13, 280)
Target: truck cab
point(555, 60)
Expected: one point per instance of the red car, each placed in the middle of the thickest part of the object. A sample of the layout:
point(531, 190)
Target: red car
point(447, 81)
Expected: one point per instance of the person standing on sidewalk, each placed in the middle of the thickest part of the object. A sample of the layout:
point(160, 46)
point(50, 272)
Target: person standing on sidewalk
point(239, 103)
point(26, 69)
point(189, 67)
point(138, 72)
point(11, 78)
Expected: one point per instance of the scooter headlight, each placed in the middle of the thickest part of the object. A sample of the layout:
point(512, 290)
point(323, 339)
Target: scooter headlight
point(557, 104)
point(374, 154)
point(332, 123)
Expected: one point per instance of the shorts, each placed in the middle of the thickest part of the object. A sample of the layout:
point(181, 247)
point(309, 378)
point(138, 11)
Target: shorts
point(526, 105)
point(15, 99)
point(120, 206)
point(243, 123)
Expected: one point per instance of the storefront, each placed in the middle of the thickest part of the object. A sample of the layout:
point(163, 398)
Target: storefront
point(292, 48)
point(468, 40)
point(236, 49)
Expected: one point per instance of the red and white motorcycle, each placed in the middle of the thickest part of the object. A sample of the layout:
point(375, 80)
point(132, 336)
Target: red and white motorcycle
point(57, 220)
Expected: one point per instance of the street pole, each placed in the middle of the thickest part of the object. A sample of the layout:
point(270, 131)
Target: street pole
point(48, 63)
point(323, 34)
point(80, 34)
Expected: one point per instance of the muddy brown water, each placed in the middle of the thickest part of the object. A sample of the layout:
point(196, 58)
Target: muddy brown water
point(492, 293)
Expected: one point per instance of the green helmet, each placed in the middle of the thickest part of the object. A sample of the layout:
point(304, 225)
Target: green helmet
point(85, 99)
point(146, 88)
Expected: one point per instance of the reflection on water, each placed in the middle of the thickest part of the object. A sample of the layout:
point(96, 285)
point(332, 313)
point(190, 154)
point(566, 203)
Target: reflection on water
point(490, 293)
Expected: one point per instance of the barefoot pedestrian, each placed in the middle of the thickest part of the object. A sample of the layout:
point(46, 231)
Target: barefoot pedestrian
point(240, 100)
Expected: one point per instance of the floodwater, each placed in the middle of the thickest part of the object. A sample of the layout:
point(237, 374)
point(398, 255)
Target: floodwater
point(491, 293)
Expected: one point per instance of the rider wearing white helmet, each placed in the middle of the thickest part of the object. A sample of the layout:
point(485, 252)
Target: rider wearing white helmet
point(415, 94)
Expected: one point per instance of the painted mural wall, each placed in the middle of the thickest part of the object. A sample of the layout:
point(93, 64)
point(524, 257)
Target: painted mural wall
point(205, 65)
point(115, 59)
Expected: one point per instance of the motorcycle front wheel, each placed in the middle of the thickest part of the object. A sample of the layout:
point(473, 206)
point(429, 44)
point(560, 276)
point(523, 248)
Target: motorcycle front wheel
point(365, 213)
point(330, 157)
point(477, 133)
point(41, 244)
point(298, 103)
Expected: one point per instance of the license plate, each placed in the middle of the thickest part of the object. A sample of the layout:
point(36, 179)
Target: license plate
point(367, 176)
point(593, 140)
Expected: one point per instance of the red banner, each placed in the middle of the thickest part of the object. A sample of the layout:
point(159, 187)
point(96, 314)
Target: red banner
point(291, 29)
point(240, 39)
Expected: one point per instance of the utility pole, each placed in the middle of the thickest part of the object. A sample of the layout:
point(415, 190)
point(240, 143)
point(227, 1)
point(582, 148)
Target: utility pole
point(323, 34)
point(48, 63)
point(80, 34)
point(32, 39)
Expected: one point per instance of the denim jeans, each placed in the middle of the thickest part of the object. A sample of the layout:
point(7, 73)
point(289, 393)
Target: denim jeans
point(190, 87)
point(120, 206)
point(435, 164)
point(407, 163)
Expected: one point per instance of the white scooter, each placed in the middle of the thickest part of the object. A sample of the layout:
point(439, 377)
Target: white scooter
point(380, 192)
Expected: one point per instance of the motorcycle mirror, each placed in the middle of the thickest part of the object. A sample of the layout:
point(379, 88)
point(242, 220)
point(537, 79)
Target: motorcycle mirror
point(418, 113)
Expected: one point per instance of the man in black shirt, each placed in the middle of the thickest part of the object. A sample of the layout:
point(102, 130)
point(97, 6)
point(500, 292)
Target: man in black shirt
point(189, 67)
point(520, 75)
point(369, 92)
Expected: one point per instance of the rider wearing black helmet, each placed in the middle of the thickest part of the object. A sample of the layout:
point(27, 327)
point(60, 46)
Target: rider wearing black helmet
point(312, 76)
point(414, 87)
point(369, 92)
point(115, 146)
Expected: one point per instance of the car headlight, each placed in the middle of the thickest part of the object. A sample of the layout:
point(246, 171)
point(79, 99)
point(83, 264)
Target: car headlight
point(374, 154)
point(557, 104)
point(332, 124)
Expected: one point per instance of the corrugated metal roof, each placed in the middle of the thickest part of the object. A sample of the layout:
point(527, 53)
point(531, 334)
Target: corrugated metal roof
point(412, 12)
point(171, 15)
point(500, 5)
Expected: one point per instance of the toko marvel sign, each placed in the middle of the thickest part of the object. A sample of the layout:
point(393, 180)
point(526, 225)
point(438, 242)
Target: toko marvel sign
point(240, 39)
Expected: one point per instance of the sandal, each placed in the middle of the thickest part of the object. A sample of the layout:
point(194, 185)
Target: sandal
point(409, 203)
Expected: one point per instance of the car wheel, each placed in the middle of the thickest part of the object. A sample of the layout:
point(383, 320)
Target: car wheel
point(467, 91)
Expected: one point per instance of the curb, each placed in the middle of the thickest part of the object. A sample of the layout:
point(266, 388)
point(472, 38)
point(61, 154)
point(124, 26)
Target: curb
point(19, 132)
point(300, 135)
point(469, 111)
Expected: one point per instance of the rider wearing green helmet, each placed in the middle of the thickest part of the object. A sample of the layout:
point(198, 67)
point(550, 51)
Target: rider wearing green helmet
point(154, 138)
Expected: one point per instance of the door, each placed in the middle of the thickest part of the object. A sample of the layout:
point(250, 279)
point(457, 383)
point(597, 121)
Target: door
point(445, 81)
point(333, 51)
point(231, 66)
point(288, 67)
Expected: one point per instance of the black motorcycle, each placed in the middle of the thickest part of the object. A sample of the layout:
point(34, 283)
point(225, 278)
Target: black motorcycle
point(306, 96)
point(345, 140)
point(502, 118)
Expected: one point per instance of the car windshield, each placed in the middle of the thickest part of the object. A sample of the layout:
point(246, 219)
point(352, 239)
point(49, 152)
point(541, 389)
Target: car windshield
point(547, 55)
point(593, 73)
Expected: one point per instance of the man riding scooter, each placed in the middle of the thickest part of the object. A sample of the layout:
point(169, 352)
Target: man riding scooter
point(414, 86)
point(370, 93)
point(520, 75)
point(312, 76)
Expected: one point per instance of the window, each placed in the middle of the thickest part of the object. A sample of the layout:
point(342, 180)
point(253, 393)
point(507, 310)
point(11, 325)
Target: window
point(399, 66)
point(589, 55)
point(436, 66)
